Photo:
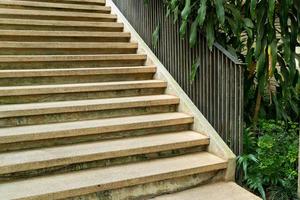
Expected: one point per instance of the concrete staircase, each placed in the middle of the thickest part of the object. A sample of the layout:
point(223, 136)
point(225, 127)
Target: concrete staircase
point(84, 116)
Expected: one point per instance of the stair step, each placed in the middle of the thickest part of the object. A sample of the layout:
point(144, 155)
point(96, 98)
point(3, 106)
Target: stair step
point(86, 2)
point(100, 179)
point(216, 191)
point(75, 71)
point(52, 6)
point(90, 127)
point(86, 152)
point(63, 36)
point(39, 48)
point(56, 15)
point(67, 61)
point(58, 25)
point(82, 87)
point(74, 75)
point(85, 105)
point(59, 58)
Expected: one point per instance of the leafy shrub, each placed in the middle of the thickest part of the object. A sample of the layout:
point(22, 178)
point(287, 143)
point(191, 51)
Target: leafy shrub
point(269, 163)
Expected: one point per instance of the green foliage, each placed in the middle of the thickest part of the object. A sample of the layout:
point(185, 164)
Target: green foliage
point(269, 163)
point(269, 28)
point(155, 36)
point(195, 67)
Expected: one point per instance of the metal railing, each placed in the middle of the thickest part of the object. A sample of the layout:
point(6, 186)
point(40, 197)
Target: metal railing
point(218, 87)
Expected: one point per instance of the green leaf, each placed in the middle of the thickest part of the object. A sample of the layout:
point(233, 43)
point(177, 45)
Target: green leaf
point(201, 12)
point(195, 67)
point(272, 51)
point(262, 192)
point(210, 33)
point(174, 3)
point(253, 9)
point(182, 29)
point(220, 11)
point(248, 23)
point(260, 69)
point(186, 10)
point(193, 34)
point(155, 36)
point(271, 10)
point(176, 14)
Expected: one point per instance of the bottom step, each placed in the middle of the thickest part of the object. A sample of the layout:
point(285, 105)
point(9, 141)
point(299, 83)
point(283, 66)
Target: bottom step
point(217, 191)
point(120, 176)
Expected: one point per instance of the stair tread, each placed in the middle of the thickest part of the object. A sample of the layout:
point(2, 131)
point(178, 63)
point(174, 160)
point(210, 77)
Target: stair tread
point(88, 127)
point(53, 58)
point(69, 45)
point(55, 5)
point(55, 13)
point(75, 71)
point(77, 153)
point(88, 181)
point(63, 33)
point(215, 191)
point(85, 105)
point(63, 23)
point(79, 87)
point(102, 2)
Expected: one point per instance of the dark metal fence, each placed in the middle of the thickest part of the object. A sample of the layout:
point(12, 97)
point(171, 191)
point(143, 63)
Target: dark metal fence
point(218, 87)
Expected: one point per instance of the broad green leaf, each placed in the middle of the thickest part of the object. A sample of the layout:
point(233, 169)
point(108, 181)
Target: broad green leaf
point(272, 51)
point(235, 20)
point(262, 192)
point(193, 34)
point(210, 33)
point(220, 11)
point(201, 12)
point(195, 67)
point(271, 10)
point(287, 50)
point(155, 36)
point(248, 23)
point(182, 29)
point(186, 10)
point(261, 64)
point(253, 9)
point(260, 30)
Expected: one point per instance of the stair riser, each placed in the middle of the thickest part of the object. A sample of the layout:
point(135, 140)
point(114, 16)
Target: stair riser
point(65, 51)
point(71, 64)
point(91, 138)
point(65, 18)
point(149, 190)
point(58, 28)
point(53, 9)
point(74, 116)
point(63, 39)
point(92, 161)
point(73, 79)
point(80, 95)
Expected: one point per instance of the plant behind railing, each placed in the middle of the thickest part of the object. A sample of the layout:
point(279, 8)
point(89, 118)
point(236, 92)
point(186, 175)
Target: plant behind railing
point(261, 33)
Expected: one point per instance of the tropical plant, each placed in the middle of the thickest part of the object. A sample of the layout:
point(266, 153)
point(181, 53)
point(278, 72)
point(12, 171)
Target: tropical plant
point(263, 34)
point(269, 164)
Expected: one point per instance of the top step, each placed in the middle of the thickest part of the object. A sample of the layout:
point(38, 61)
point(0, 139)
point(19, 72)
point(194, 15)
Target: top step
point(85, 2)
point(52, 6)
